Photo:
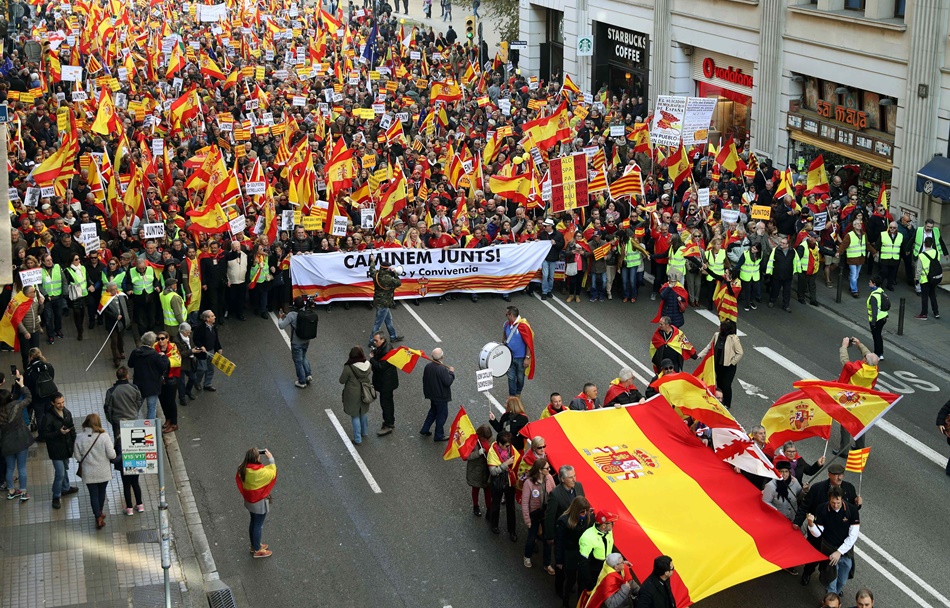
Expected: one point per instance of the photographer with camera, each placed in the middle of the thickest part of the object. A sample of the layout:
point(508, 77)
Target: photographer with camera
point(385, 282)
point(860, 372)
point(302, 321)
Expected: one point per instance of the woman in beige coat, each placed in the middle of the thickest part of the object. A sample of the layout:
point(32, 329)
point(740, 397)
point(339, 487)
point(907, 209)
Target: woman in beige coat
point(727, 351)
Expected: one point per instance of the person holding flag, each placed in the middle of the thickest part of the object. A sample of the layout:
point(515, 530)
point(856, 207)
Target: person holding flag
point(669, 342)
point(727, 352)
point(114, 311)
point(385, 381)
point(519, 337)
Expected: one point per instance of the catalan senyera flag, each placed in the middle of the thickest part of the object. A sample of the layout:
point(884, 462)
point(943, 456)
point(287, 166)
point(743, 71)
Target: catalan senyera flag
point(688, 394)
point(460, 434)
point(602, 251)
point(643, 464)
point(631, 184)
point(856, 408)
point(857, 460)
point(817, 177)
point(794, 417)
point(16, 309)
point(404, 358)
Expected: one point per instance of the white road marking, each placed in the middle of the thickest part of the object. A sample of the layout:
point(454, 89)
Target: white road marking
point(889, 428)
point(603, 337)
point(408, 306)
point(910, 573)
point(886, 574)
point(339, 428)
point(706, 314)
point(352, 449)
point(752, 390)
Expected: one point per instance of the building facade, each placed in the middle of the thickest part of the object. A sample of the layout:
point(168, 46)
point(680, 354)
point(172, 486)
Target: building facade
point(866, 83)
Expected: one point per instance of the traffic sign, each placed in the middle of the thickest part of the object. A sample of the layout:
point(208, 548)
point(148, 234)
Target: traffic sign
point(139, 447)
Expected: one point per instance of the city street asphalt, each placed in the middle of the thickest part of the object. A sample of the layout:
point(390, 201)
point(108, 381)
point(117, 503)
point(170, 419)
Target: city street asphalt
point(337, 542)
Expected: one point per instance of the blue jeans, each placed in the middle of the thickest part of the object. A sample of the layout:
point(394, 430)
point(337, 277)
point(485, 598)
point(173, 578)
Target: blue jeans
point(844, 569)
point(547, 276)
point(151, 405)
point(598, 285)
point(299, 354)
point(628, 276)
point(438, 413)
point(17, 462)
point(853, 271)
point(256, 529)
point(360, 428)
point(516, 377)
point(384, 315)
point(60, 477)
point(205, 371)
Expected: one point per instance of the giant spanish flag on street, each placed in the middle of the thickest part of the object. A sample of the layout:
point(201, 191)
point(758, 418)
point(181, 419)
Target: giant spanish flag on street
point(643, 463)
point(856, 408)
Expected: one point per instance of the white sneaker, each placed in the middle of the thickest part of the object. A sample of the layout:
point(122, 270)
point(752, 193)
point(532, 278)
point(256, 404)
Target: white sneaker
point(300, 384)
point(527, 562)
point(309, 379)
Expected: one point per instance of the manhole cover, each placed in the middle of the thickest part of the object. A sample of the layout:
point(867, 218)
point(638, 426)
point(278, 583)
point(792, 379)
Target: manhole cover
point(142, 536)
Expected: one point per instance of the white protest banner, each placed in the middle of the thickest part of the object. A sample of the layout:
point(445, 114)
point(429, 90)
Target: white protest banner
point(92, 246)
point(287, 220)
point(34, 276)
point(299, 101)
point(238, 224)
point(667, 127)
point(32, 197)
point(48, 191)
point(158, 146)
point(255, 188)
point(154, 231)
point(617, 130)
point(14, 194)
point(71, 73)
point(590, 151)
point(820, 221)
point(699, 112)
point(79, 96)
point(505, 106)
point(88, 232)
point(339, 225)
point(703, 197)
point(367, 218)
point(730, 216)
point(214, 12)
point(426, 272)
point(483, 380)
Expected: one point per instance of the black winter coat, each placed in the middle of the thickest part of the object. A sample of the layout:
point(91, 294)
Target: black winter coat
point(654, 593)
point(150, 368)
point(58, 445)
point(567, 542)
point(437, 382)
point(385, 375)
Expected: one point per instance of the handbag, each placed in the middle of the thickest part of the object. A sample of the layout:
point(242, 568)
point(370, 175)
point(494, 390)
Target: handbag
point(75, 291)
point(571, 268)
point(79, 469)
point(367, 393)
point(45, 387)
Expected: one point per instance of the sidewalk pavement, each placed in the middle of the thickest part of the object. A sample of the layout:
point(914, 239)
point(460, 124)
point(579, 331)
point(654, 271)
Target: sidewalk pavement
point(925, 340)
point(52, 557)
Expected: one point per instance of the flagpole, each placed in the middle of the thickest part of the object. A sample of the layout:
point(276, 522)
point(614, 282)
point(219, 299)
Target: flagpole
point(827, 441)
point(860, 479)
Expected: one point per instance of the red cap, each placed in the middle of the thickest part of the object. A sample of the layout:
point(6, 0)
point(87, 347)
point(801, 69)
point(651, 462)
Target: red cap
point(604, 517)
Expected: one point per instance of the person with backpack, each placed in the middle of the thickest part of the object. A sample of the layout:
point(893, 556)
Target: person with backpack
point(928, 275)
point(878, 305)
point(302, 321)
point(39, 378)
point(358, 392)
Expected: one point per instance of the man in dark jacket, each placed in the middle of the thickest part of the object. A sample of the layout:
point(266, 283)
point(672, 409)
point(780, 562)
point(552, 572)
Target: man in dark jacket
point(123, 400)
point(782, 267)
point(213, 279)
point(655, 592)
point(385, 282)
point(437, 378)
point(550, 260)
point(559, 500)
point(150, 368)
point(943, 425)
point(206, 344)
point(116, 316)
point(60, 434)
point(385, 381)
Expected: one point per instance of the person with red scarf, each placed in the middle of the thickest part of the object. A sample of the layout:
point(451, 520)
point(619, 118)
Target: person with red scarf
point(502, 457)
point(255, 481)
point(555, 406)
point(615, 583)
point(622, 390)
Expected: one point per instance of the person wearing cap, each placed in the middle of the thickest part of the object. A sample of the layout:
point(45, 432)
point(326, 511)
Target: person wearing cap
point(782, 494)
point(655, 592)
point(616, 585)
point(173, 307)
point(837, 524)
point(552, 257)
point(808, 257)
point(596, 543)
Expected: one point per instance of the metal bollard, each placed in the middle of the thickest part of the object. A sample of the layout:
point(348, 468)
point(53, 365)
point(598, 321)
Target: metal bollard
point(900, 318)
point(840, 284)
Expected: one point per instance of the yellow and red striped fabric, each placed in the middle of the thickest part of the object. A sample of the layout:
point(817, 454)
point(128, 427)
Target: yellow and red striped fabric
point(404, 358)
point(794, 417)
point(691, 396)
point(258, 481)
point(857, 460)
point(856, 408)
point(642, 463)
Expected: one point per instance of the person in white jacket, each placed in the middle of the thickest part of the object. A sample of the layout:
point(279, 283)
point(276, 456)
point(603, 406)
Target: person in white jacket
point(94, 452)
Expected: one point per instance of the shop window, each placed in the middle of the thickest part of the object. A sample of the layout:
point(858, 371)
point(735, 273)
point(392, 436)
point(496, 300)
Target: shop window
point(854, 5)
point(899, 7)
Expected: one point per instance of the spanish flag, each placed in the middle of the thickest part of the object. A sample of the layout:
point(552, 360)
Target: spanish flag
point(817, 177)
point(857, 460)
point(856, 408)
point(859, 373)
point(786, 186)
point(12, 316)
point(448, 93)
point(106, 120)
point(569, 85)
point(176, 61)
point(678, 341)
point(794, 417)
point(516, 188)
point(706, 370)
point(550, 130)
point(727, 157)
point(462, 437)
point(644, 464)
point(105, 300)
point(209, 67)
point(689, 395)
point(258, 481)
point(404, 358)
